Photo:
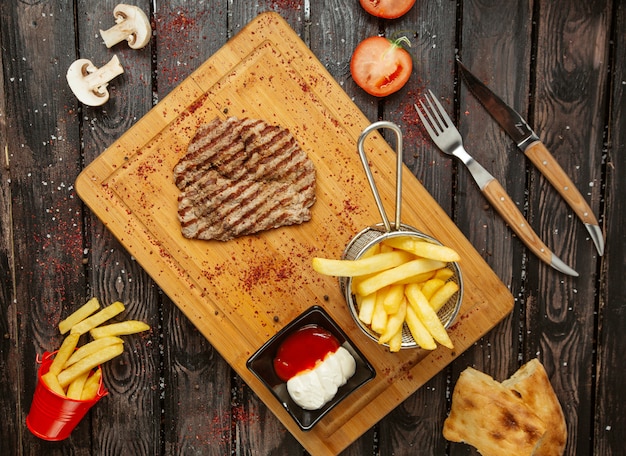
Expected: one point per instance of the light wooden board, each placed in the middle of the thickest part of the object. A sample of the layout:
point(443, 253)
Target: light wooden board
point(240, 293)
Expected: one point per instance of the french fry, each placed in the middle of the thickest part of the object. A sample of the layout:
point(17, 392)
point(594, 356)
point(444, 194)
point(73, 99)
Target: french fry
point(79, 315)
point(393, 298)
point(356, 280)
point(427, 315)
point(75, 372)
point(394, 323)
point(380, 290)
point(65, 351)
point(443, 295)
point(419, 278)
point(423, 249)
point(86, 364)
point(408, 269)
point(373, 250)
point(362, 266)
point(395, 343)
point(419, 332)
point(431, 286)
point(123, 328)
point(91, 348)
point(443, 274)
point(52, 382)
point(97, 319)
point(92, 385)
point(75, 389)
point(366, 307)
point(385, 248)
point(379, 317)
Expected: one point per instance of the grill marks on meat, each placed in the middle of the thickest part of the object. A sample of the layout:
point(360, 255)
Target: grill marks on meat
point(240, 177)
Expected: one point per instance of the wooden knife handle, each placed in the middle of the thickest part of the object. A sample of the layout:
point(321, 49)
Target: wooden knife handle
point(508, 210)
point(549, 167)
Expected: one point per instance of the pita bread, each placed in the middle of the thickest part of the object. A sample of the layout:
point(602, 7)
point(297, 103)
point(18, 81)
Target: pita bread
point(533, 386)
point(491, 418)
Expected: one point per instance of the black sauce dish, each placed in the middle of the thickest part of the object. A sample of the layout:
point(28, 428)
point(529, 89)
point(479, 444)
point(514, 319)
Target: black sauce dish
point(261, 364)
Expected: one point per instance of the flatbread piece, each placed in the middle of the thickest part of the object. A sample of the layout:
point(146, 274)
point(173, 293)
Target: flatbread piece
point(491, 418)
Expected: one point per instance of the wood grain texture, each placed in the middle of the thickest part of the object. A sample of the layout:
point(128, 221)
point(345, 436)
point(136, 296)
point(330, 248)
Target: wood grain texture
point(573, 47)
point(200, 421)
point(113, 274)
point(121, 188)
point(332, 42)
point(495, 44)
point(10, 400)
point(560, 65)
point(609, 418)
point(552, 171)
point(256, 427)
point(414, 427)
point(46, 218)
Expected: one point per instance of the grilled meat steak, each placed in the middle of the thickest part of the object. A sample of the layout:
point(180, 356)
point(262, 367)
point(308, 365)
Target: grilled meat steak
point(242, 176)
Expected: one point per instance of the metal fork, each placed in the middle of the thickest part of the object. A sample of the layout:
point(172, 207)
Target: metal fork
point(445, 135)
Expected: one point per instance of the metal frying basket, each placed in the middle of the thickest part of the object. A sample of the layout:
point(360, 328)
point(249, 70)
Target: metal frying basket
point(375, 234)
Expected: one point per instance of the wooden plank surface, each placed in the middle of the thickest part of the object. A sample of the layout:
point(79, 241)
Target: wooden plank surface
point(562, 65)
point(134, 373)
point(192, 425)
point(486, 49)
point(608, 418)
point(562, 113)
point(12, 370)
point(130, 188)
point(46, 273)
point(417, 422)
point(326, 33)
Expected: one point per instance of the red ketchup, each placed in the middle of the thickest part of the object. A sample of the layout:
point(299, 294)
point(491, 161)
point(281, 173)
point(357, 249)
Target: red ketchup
point(303, 350)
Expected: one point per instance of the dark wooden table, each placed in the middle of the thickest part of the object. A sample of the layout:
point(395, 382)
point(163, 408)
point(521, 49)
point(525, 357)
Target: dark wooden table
point(561, 64)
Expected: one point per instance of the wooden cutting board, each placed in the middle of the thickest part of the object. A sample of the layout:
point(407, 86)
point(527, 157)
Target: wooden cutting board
point(240, 293)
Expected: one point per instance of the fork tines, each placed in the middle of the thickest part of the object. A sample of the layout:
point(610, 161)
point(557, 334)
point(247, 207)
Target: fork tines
point(434, 119)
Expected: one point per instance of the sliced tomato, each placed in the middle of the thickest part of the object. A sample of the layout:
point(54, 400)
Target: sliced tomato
point(388, 9)
point(380, 66)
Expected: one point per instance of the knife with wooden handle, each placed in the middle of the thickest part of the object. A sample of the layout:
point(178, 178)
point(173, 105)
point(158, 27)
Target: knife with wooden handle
point(528, 141)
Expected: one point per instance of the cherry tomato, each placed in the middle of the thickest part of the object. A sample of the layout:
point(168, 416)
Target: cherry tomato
point(380, 66)
point(388, 9)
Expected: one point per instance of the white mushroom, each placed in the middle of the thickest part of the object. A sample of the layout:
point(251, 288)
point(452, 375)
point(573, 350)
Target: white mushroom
point(89, 83)
point(131, 24)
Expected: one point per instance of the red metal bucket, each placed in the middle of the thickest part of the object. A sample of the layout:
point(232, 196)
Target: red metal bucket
point(51, 416)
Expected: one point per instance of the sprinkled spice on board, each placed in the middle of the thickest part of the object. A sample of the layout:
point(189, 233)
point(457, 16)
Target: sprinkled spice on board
point(267, 271)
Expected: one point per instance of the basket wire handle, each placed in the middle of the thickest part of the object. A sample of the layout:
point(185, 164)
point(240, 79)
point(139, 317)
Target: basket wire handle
point(370, 176)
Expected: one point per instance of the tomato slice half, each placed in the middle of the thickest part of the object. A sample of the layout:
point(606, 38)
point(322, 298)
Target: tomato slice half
point(388, 9)
point(380, 67)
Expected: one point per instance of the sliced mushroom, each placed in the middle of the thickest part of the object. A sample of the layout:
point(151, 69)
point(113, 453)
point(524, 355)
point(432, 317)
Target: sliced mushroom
point(131, 24)
point(89, 83)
